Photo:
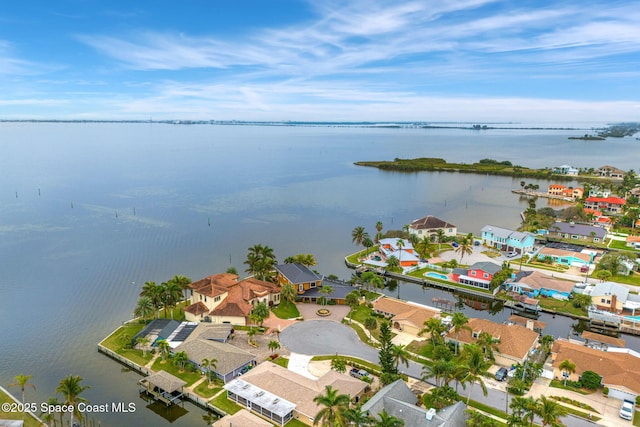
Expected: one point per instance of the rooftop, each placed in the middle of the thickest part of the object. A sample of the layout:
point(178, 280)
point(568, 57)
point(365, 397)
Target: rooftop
point(229, 357)
point(430, 222)
point(297, 273)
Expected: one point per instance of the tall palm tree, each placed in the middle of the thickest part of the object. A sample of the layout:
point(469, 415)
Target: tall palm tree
point(171, 294)
point(144, 307)
point(379, 227)
point(326, 290)
point(441, 236)
point(459, 322)
point(288, 293)
point(22, 381)
point(465, 247)
point(163, 348)
point(142, 343)
point(549, 411)
point(488, 345)
point(154, 292)
point(71, 389)
point(435, 328)
point(386, 420)
point(333, 407)
point(441, 370)
point(184, 283)
point(368, 243)
point(260, 260)
point(209, 365)
point(400, 355)
point(476, 367)
point(180, 359)
point(356, 418)
point(393, 262)
point(358, 235)
point(424, 247)
point(400, 244)
point(273, 345)
point(568, 367)
point(261, 312)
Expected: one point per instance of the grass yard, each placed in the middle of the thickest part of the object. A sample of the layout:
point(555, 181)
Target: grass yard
point(189, 377)
point(116, 342)
point(282, 361)
point(295, 423)
point(29, 421)
point(225, 404)
point(633, 279)
point(561, 306)
point(286, 310)
point(354, 257)
point(206, 392)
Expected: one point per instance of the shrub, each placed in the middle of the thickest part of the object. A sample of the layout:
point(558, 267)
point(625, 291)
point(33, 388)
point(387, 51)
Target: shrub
point(605, 391)
point(590, 380)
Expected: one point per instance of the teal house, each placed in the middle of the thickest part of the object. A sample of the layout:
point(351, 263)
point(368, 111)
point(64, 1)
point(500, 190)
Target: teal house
point(507, 240)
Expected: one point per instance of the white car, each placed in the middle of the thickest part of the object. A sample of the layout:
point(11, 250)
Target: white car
point(626, 411)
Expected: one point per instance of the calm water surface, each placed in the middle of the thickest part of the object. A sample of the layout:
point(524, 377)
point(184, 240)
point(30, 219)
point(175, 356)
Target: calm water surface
point(89, 212)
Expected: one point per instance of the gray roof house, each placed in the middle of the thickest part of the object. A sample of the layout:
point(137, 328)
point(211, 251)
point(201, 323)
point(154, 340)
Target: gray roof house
point(297, 273)
point(398, 400)
point(507, 240)
point(578, 231)
point(231, 359)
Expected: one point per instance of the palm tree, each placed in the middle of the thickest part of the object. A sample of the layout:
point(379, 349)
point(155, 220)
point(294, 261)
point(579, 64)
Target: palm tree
point(70, 388)
point(171, 294)
point(393, 262)
point(459, 322)
point(22, 381)
point(164, 348)
point(154, 292)
point(358, 235)
point(379, 227)
point(326, 291)
point(184, 283)
point(273, 345)
point(441, 370)
point(180, 359)
point(144, 307)
point(333, 405)
point(142, 343)
point(261, 312)
point(53, 402)
point(288, 293)
point(400, 355)
point(568, 368)
point(368, 243)
point(523, 410)
point(209, 365)
point(424, 247)
point(435, 328)
point(352, 299)
point(465, 247)
point(476, 367)
point(356, 417)
point(441, 236)
point(549, 411)
point(387, 420)
point(260, 260)
point(488, 345)
point(400, 244)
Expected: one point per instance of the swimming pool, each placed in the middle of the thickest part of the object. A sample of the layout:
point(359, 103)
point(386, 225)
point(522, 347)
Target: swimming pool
point(436, 275)
point(636, 318)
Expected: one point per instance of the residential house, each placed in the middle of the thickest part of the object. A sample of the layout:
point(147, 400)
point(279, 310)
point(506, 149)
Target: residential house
point(279, 394)
point(633, 242)
point(309, 284)
point(619, 367)
point(609, 205)
point(397, 400)
point(568, 258)
point(222, 298)
point(231, 361)
point(566, 170)
point(507, 240)
point(576, 231)
point(479, 274)
point(429, 226)
point(609, 296)
point(596, 191)
point(406, 316)
point(566, 192)
point(610, 172)
point(514, 342)
point(534, 283)
point(404, 252)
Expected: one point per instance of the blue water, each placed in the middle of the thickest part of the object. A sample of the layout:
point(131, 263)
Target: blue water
point(637, 318)
point(437, 275)
point(89, 212)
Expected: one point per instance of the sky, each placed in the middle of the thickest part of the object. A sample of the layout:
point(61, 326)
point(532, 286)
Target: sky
point(321, 60)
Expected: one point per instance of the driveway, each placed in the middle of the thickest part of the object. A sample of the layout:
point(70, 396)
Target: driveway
point(323, 337)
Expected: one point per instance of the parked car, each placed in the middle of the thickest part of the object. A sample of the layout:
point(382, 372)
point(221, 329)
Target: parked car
point(511, 254)
point(358, 373)
point(501, 375)
point(626, 411)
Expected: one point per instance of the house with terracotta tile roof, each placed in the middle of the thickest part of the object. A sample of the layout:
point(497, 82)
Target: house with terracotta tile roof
point(281, 394)
point(405, 316)
point(222, 298)
point(514, 341)
point(563, 191)
point(429, 225)
point(619, 367)
point(633, 241)
point(609, 205)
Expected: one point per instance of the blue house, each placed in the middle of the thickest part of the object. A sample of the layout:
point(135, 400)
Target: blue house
point(504, 239)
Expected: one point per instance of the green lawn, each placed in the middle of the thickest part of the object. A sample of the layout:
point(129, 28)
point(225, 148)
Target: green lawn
point(225, 404)
point(371, 367)
point(282, 361)
point(561, 306)
point(203, 388)
point(364, 337)
point(633, 279)
point(622, 246)
point(189, 377)
point(354, 258)
point(115, 342)
point(295, 423)
point(360, 313)
point(286, 310)
point(29, 421)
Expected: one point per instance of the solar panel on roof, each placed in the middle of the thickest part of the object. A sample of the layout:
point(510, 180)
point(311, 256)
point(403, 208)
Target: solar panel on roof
point(184, 333)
